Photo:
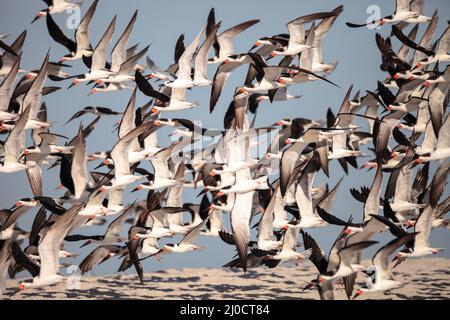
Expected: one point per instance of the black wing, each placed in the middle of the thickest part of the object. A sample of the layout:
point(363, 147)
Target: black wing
point(23, 261)
point(317, 256)
point(146, 88)
point(226, 237)
point(59, 36)
point(7, 48)
point(331, 219)
point(407, 41)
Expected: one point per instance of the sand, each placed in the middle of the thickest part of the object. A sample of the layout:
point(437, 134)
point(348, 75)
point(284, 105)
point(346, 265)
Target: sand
point(427, 278)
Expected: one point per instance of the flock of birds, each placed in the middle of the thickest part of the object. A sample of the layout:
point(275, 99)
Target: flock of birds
point(408, 130)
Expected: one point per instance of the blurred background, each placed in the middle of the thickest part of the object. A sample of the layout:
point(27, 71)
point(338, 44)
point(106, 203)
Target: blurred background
point(160, 23)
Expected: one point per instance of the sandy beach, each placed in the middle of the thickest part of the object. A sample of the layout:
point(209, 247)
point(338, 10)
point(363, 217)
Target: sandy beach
point(427, 278)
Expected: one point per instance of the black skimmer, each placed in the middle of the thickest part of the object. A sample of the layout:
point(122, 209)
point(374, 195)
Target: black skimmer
point(403, 13)
point(49, 247)
point(57, 6)
point(223, 45)
point(81, 46)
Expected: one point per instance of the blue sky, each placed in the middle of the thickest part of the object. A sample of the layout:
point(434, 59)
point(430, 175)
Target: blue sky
point(160, 23)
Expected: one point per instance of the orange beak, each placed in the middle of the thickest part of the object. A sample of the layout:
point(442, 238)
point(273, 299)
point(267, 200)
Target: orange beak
point(274, 54)
point(21, 286)
point(281, 80)
point(220, 193)
point(94, 91)
point(426, 83)
point(411, 223)
point(242, 90)
point(258, 43)
point(154, 111)
point(98, 81)
point(396, 76)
